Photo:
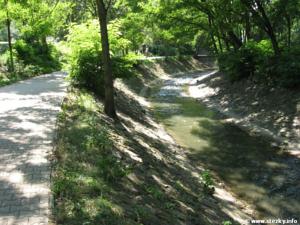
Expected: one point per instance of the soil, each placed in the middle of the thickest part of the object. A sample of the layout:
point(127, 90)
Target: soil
point(267, 121)
point(250, 166)
point(163, 166)
point(269, 111)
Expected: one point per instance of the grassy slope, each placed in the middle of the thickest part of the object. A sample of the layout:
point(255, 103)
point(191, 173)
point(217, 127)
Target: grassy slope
point(8, 79)
point(126, 172)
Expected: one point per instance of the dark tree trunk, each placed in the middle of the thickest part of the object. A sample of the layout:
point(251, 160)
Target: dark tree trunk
point(9, 38)
point(218, 36)
point(109, 102)
point(44, 43)
point(220, 43)
point(264, 21)
point(212, 34)
point(236, 42)
point(248, 27)
point(289, 27)
point(225, 39)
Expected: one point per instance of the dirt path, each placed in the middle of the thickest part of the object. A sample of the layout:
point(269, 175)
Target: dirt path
point(27, 121)
point(250, 167)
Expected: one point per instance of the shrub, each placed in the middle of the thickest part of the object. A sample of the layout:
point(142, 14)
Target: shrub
point(85, 56)
point(232, 66)
point(287, 69)
point(251, 60)
point(87, 70)
point(38, 55)
point(208, 183)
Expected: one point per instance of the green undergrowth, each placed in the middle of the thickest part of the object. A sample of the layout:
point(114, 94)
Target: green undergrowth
point(90, 183)
point(110, 173)
point(86, 170)
point(10, 78)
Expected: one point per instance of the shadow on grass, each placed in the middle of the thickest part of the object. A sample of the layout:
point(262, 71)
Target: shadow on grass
point(255, 171)
point(112, 173)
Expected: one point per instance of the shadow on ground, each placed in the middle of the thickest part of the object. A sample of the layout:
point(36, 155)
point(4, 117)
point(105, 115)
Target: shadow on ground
point(263, 175)
point(160, 186)
point(273, 108)
point(27, 121)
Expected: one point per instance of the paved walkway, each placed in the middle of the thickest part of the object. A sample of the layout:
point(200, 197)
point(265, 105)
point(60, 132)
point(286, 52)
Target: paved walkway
point(28, 112)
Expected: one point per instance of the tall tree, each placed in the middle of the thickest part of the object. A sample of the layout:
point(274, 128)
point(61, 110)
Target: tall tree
point(9, 37)
point(257, 8)
point(109, 103)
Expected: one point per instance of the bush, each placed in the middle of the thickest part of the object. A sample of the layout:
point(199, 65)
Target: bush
point(208, 183)
point(87, 70)
point(251, 60)
point(38, 55)
point(163, 50)
point(85, 56)
point(287, 69)
point(231, 65)
point(257, 60)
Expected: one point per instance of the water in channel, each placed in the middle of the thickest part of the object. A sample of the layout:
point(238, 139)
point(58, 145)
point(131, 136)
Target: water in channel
point(256, 172)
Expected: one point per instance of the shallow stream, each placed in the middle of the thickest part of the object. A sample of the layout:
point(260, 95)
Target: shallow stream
point(254, 170)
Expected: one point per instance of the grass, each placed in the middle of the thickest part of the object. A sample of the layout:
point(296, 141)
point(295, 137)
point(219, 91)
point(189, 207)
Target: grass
point(86, 170)
point(22, 71)
point(6, 79)
point(109, 173)
point(21, 74)
point(93, 186)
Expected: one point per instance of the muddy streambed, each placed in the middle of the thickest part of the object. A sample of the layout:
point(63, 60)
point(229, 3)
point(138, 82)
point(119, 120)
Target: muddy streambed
point(255, 171)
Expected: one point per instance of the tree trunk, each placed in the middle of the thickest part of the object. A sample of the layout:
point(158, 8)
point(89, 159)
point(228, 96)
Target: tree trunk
point(268, 27)
point(248, 27)
point(109, 103)
point(44, 43)
point(220, 43)
point(257, 9)
point(9, 38)
point(212, 34)
point(289, 27)
point(236, 42)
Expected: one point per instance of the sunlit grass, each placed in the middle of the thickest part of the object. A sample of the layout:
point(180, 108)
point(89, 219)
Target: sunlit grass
point(6, 78)
point(86, 172)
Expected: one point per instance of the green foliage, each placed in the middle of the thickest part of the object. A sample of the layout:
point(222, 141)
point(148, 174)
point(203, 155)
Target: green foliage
point(86, 71)
point(257, 60)
point(208, 184)
point(250, 60)
point(43, 58)
point(85, 56)
point(227, 223)
point(287, 69)
point(155, 192)
point(38, 19)
point(21, 71)
point(111, 170)
point(163, 50)
point(87, 173)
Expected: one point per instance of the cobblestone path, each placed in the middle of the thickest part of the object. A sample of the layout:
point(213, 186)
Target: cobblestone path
point(28, 112)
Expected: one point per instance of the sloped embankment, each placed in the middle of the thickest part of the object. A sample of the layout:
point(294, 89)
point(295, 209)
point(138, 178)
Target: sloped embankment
point(130, 171)
point(273, 112)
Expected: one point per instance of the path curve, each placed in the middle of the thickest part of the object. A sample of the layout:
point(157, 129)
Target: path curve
point(28, 112)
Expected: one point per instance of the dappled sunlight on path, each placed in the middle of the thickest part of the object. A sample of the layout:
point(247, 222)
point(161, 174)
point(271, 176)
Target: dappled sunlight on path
point(27, 121)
